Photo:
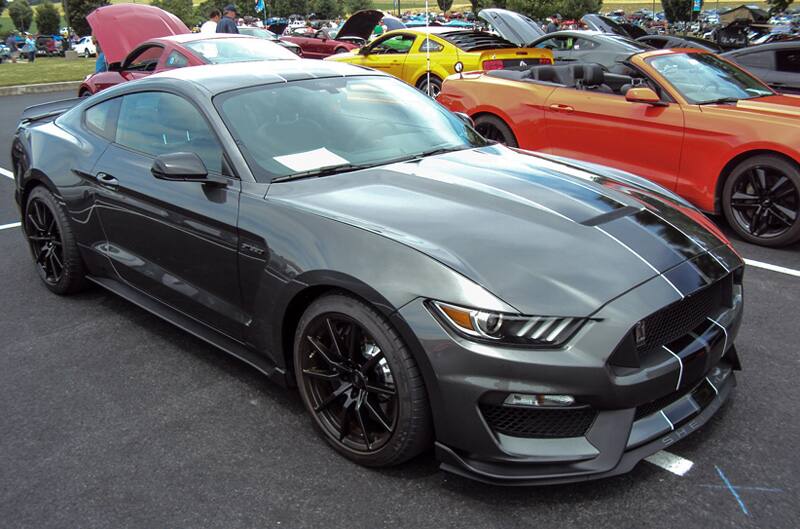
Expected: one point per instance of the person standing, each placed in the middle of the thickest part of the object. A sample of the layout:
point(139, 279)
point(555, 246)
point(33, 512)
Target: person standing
point(227, 23)
point(30, 47)
point(210, 25)
point(11, 42)
point(552, 25)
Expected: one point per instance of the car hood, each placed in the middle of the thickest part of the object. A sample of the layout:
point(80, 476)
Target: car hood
point(360, 24)
point(777, 106)
point(120, 28)
point(545, 237)
point(512, 26)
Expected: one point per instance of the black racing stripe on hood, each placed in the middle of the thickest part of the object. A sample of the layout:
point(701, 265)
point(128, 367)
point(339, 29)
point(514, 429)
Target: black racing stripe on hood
point(652, 249)
point(687, 278)
point(679, 220)
point(669, 234)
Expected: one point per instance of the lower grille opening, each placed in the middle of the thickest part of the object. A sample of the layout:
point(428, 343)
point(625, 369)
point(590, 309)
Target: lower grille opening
point(538, 422)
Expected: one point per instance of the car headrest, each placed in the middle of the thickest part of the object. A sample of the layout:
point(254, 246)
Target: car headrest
point(593, 74)
point(546, 73)
point(577, 71)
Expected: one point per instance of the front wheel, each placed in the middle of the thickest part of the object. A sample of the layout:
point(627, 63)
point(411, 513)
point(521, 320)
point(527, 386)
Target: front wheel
point(52, 243)
point(86, 53)
point(360, 383)
point(493, 128)
point(339, 51)
point(761, 200)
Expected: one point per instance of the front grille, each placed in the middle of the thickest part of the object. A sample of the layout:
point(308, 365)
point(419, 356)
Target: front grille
point(537, 422)
point(682, 317)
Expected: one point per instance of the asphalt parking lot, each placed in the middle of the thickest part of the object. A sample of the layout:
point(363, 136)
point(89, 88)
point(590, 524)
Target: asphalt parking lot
point(110, 417)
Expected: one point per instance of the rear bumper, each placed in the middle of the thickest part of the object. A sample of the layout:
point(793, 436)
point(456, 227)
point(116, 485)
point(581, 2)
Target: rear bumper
point(663, 434)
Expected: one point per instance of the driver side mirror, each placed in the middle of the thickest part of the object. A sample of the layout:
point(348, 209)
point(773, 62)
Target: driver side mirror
point(644, 95)
point(465, 118)
point(183, 167)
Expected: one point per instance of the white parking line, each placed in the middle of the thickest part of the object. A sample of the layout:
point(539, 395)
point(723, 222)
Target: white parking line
point(6, 172)
point(12, 225)
point(772, 267)
point(670, 462)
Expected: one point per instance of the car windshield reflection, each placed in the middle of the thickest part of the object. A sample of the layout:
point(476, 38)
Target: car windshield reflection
point(703, 78)
point(344, 122)
point(219, 51)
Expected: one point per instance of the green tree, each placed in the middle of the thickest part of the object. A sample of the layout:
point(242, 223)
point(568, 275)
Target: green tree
point(475, 4)
point(21, 14)
point(358, 5)
point(575, 9)
point(677, 10)
point(775, 6)
point(78, 9)
point(536, 9)
point(444, 5)
point(180, 8)
point(326, 9)
point(48, 19)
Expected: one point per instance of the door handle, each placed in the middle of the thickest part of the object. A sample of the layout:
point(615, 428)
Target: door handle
point(561, 108)
point(106, 180)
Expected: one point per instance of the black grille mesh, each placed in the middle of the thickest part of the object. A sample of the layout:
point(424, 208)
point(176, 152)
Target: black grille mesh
point(532, 422)
point(680, 318)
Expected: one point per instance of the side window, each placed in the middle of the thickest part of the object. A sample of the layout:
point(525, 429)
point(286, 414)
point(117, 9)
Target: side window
point(557, 43)
point(176, 60)
point(146, 60)
point(762, 59)
point(157, 123)
point(583, 45)
point(788, 60)
point(100, 118)
point(395, 44)
point(430, 45)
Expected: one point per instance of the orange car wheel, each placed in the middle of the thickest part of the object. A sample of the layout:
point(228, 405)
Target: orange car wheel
point(761, 200)
point(495, 129)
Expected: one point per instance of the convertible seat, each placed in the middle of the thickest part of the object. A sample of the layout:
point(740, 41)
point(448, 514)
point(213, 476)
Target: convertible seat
point(594, 79)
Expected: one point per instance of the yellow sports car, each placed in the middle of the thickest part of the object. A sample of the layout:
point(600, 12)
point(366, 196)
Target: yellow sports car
point(403, 53)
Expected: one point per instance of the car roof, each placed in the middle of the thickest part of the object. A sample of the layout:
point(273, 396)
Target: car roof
point(217, 78)
point(766, 47)
point(191, 37)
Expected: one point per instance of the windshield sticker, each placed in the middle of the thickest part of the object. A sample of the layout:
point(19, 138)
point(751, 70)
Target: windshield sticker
point(310, 160)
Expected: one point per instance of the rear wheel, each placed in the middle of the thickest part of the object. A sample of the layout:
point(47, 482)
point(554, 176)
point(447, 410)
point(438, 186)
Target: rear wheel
point(493, 128)
point(360, 383)
point(52, 243)
point(435, 86)
point(337, 51)
point(86, 53)
point(761, 200)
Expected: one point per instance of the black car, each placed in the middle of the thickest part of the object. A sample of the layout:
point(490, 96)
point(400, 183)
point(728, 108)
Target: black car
point(537, 319)
point(605, 49)
point(675, 41)
point(777, 64)
point(270, 36)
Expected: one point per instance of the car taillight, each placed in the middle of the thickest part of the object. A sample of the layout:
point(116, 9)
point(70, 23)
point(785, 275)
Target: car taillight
point(545, 60)
point(492, 65)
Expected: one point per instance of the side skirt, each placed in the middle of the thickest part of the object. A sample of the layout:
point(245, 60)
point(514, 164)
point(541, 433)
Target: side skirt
point(193, 327)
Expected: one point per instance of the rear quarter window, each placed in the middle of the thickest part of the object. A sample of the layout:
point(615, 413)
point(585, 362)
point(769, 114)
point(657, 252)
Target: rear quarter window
point(101, 119)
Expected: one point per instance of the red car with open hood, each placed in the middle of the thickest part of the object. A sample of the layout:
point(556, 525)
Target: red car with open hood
point(139, 40)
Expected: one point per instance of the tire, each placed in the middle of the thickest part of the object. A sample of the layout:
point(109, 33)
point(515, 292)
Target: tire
point(387, 378)
point(84, 93)
point(494, 128)
point(338, 51)
point(436, 86)
point(761, 200)
point(86, 53)
point(52, 243)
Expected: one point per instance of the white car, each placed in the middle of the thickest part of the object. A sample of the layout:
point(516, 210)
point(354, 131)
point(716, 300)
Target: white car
point(85, 47)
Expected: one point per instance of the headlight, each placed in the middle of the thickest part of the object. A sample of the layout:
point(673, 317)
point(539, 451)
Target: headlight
point(511, 329)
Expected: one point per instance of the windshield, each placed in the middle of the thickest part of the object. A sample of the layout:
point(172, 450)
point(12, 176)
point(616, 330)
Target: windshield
point(219, 51)
point(258, 32)
point(298, 127)
point(703, 78)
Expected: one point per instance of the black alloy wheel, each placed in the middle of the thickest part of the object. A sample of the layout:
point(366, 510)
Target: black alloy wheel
point(44, 237)
point(494, 129)
point(360, 383)
point(52, 243)
point(762, 200)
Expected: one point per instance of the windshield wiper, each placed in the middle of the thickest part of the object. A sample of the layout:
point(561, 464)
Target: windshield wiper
point(720, 100)
point(442, 150)
point(322, 171)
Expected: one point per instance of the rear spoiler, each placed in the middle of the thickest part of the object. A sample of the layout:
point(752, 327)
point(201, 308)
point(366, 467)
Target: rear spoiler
point(48, 110)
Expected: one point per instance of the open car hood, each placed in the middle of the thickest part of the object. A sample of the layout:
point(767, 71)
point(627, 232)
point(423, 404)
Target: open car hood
point(120, 28)
point(604, 24)
point(360, 24)
point(512, 26)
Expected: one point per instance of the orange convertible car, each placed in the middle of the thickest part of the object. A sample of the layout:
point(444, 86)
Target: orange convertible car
point(686, 119)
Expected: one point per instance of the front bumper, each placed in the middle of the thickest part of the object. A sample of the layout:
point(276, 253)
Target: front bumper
point(635, 410)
